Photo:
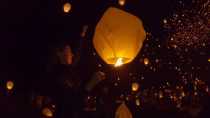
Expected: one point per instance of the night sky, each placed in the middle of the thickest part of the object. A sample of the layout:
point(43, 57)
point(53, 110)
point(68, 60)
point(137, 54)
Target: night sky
point(172, 63)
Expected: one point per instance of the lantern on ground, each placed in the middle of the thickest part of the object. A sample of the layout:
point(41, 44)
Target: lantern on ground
point(118, 37)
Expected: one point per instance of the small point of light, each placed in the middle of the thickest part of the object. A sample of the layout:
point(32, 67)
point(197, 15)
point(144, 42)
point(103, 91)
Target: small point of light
point(183, 94)
point(67, 7)
point(160, 94)
point(121, 2)
point(10, 85)
point(164, 21)
point(137, 102)
point(119, 62)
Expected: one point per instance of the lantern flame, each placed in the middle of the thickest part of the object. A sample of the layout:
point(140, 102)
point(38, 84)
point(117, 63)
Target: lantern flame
point(119, 62)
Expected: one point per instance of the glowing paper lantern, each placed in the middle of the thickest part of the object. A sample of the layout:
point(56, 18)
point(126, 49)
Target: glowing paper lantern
point(67, 7)
point(123, 112)
point(135, 86)
point(138, 102)
point(146, 61)
point(209, 59)
point(10, 85)
point(118, 37)
point(47, 112)
point(121, 2)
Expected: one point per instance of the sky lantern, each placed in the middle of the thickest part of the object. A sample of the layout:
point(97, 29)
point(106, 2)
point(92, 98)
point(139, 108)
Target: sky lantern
point(209, 59)
point(123, 112)
point(47, 112)
point(138, 102)
point(121, 2)
point(10, 85)
point(118, 37)
point(67, 7)
point(146, 61)
point(135, 86)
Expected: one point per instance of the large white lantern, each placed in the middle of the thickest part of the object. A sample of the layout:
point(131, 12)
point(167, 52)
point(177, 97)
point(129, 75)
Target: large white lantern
point(118, 36)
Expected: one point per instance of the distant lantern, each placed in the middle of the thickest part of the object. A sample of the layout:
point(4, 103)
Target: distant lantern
point(47, 112)
point(135, 86)
point(138, 102)
point(10, 85)
point(146, 61)
point(67, 7)
point(209, 59)
point(121, 2)
point(118, 37)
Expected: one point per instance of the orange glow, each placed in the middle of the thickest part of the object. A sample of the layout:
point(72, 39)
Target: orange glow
point(10, 85)
point(119, 62)
point(135, 86)
point(209, 60)
point(121, 2)
point(67, 7)
point(146, 61)
point(115, 40)
point(68, 54)
point(47, 112)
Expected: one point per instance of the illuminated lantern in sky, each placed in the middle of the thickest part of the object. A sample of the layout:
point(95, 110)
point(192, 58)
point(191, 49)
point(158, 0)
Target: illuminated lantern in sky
point(123, 112)
point(47, 112)
point(118, 37)
point(10, 85)
point(146, 61)
point(135, 86)
point(121, 2)
point(138, 102)
point(67, 7)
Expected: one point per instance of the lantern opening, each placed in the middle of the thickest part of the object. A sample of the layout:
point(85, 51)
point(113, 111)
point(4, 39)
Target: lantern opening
point(119, 62)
